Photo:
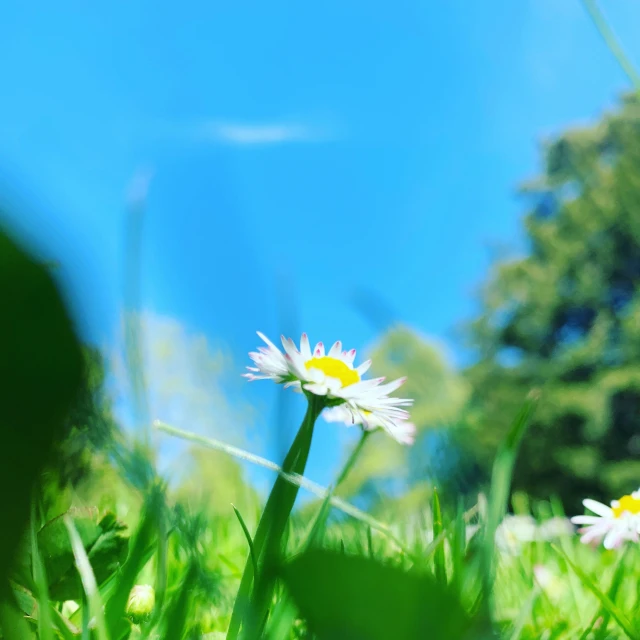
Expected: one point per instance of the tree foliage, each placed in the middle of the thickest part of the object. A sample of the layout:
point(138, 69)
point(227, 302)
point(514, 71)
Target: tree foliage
point(566, 318)
point(439, 395)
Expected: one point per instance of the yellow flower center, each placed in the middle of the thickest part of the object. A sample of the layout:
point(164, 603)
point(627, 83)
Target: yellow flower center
point(627, 503)
point(334, 368)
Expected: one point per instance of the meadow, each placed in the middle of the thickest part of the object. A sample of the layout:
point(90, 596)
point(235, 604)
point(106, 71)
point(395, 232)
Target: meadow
point(122, 555)
point(96, 542)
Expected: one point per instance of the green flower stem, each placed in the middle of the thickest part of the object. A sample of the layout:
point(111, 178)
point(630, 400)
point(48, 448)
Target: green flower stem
point(355, 454)
point(271, 528)
point(319, 523)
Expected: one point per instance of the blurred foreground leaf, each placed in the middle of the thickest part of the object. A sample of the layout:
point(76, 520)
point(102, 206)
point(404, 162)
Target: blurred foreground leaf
point(355, 598)
point(103, 540)
point(40, 374)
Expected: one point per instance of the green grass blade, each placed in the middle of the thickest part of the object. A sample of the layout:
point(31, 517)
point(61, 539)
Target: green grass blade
point(293, 478)
point(501, 485)
point(422, 557)
point(62, 625)
point(247, 535)
point(369, 543)
point(316, 530)
point(616, 581)
point(161, 572)
point(607, 604)
point(557, 511)
point(612, 42)
point(45, 624)
point(281, 623)
point(133, 348)
point(458, 546)
point(178, 614)
point(438, 557)
point(88, 579)
point(525, 613)
point(116, 604)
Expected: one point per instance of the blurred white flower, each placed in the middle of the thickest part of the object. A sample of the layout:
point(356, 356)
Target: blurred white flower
point(542, 575)
point(555, 528)
point(470, 531)
point(548, 581)
point(333, 376)
point(612, 525)
point(514, 531)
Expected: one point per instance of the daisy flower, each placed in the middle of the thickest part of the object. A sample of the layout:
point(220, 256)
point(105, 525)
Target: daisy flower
point(617, 523)
point(555, 527)
point(515, 531)
point(396, 424)
point(331, 375)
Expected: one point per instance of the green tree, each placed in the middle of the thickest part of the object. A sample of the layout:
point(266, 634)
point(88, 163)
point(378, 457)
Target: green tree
point(565, 318)
point(439, 394)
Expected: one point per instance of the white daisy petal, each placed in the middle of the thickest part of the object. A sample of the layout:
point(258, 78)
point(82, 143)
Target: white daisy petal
point(595, 532)
point(598, 508)
point(364, 367)
point(613, 538)
point(289, 346)
point(335, 350)
point(333, 384)
point(392, 386)
point(402, 431)
point(318, 389)
point(359, 389)
point(267, 341)
point(585, 519)
point(305, 349)
point(318, 352)
point(315, 375)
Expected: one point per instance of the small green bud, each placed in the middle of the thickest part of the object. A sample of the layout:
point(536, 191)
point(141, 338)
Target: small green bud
point(142, 599)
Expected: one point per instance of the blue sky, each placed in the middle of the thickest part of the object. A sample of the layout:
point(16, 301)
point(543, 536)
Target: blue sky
point(345, 145)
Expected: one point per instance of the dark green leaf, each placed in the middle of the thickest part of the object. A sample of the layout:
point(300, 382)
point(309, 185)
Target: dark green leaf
point(103, 540)
point(356, 598)
point(40, 375)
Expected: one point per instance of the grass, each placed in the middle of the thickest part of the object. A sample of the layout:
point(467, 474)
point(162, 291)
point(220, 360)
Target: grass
point(440, 557)
point(329, 572)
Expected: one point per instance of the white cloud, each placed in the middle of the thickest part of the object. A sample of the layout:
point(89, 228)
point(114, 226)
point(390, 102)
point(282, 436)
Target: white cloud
point(243, 133)
point(246, 134)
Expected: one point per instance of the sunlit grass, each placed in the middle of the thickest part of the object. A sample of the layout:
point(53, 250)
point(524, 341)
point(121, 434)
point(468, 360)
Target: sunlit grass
point(542, 584)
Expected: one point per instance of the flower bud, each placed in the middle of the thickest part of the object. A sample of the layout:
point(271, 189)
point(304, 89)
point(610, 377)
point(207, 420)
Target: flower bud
point(142, 599)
